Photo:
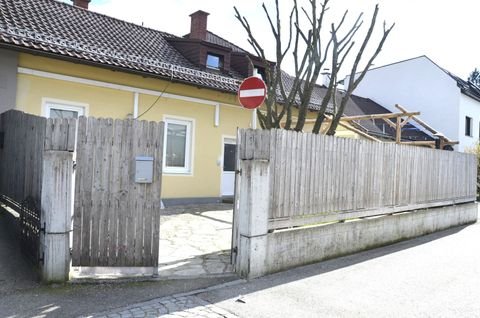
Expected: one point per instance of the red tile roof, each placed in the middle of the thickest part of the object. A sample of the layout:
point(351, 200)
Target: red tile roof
point(53, 27)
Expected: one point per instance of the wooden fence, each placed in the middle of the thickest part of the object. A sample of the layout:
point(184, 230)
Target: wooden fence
point(116, 221)
point(316, 178)
point(23, 140)
point(27, 146)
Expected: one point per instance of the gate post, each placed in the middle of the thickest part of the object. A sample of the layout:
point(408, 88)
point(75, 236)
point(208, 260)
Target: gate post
point(253, 217)
point(56, 216)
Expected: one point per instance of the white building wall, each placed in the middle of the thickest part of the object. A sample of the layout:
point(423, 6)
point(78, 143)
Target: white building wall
point(418, 85)
point(471, 108)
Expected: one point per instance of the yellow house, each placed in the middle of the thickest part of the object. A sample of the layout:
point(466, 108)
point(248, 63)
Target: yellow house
point(84, 63)
point(62, 60)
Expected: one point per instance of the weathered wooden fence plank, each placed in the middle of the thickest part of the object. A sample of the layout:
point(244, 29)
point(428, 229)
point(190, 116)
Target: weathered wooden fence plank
point(78, 213)
point(34, 179)
point(320, 178)
point(117, 220)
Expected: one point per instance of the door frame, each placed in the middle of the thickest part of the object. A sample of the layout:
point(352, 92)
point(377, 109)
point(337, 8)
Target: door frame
point(222, 156)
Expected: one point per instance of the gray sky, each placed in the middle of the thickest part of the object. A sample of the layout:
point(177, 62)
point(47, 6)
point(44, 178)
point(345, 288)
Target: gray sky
point(443, 30)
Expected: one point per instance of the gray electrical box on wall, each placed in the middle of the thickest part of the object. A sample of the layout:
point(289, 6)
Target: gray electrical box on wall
point(144, 169)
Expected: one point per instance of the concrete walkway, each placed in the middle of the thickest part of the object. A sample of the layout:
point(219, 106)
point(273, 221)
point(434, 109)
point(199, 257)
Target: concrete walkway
point(433, 276)
point(195, 241)
point(16, 273)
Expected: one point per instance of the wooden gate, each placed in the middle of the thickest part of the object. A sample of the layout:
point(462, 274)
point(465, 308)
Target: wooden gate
point(25, 140)
point(116, 220)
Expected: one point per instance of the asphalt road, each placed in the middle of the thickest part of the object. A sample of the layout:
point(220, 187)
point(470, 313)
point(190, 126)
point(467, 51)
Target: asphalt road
point(432, 276)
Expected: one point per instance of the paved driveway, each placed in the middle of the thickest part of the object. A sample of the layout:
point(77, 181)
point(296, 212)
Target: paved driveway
point(195, 241)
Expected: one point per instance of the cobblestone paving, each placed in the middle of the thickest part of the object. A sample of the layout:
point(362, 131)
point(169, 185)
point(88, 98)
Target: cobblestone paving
point(171, 307)
point(195, 241)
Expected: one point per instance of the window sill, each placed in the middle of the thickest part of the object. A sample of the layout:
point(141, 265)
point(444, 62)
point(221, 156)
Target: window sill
point(176, 173)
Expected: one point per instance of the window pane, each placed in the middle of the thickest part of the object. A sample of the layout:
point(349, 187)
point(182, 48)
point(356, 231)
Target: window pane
point(176, 145)
point(213, 61)
point(62, 113)
point(229, 157)
point(468, 126)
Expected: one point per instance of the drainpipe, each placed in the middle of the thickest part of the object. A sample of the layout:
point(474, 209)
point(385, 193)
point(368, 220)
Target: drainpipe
point(217, 115)
point(135, 105)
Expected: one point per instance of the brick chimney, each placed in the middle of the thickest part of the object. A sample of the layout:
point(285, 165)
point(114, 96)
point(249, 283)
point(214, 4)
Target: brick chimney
point(198, 26)
point(81, 3)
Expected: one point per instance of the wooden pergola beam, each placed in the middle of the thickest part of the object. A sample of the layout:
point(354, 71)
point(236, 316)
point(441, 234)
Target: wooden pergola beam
point(355, 130)
point(419, 143)
point(419, 121)
point(389, 122)
point(398, 131)
point(358, 131)
point(379, 116)
point(405, 121)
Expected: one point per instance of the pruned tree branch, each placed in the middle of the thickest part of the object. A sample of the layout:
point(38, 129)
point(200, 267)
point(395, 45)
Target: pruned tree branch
point(353, 80)
point(310, 52)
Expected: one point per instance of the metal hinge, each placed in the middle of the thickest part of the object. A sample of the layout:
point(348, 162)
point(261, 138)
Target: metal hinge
point(43, 228)
point(239, 172)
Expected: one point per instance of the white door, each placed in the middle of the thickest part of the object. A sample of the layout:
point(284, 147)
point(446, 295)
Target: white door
point(228, 169)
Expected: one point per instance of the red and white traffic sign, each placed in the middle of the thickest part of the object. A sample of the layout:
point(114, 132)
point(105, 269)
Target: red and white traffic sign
point(252, 92)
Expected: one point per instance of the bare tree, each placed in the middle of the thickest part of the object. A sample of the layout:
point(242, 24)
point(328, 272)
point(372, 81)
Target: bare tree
point(273, 117)
point(309, 57)
point(354, 78)
point(309, 52)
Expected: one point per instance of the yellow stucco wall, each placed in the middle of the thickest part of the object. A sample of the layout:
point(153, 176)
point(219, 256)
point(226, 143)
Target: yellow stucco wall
point(205, 178)
point(101, 102)
point(122, 78)
point(206, 171)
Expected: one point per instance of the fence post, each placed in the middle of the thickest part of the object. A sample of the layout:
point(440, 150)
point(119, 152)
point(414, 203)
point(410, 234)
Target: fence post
point(56, 215)
point(253, 218)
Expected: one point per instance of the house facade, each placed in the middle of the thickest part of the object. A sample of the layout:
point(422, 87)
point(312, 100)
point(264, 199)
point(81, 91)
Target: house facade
point(63, 60)
point(85, 63)
point(445, 101)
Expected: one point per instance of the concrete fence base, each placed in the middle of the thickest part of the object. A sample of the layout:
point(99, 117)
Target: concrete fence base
point(301, 246)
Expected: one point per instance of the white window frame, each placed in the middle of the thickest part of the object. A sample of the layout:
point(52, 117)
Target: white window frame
point(189, 142)
point(49, 103)
point(220, 61)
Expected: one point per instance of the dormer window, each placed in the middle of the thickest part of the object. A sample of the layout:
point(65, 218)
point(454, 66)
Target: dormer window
point(214, 61)
point(259, 71)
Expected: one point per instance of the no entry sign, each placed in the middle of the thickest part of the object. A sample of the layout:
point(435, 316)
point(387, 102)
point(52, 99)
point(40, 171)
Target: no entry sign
point(252, 92)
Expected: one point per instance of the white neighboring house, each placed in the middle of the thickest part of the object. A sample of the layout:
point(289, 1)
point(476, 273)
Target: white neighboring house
point(448, 103)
